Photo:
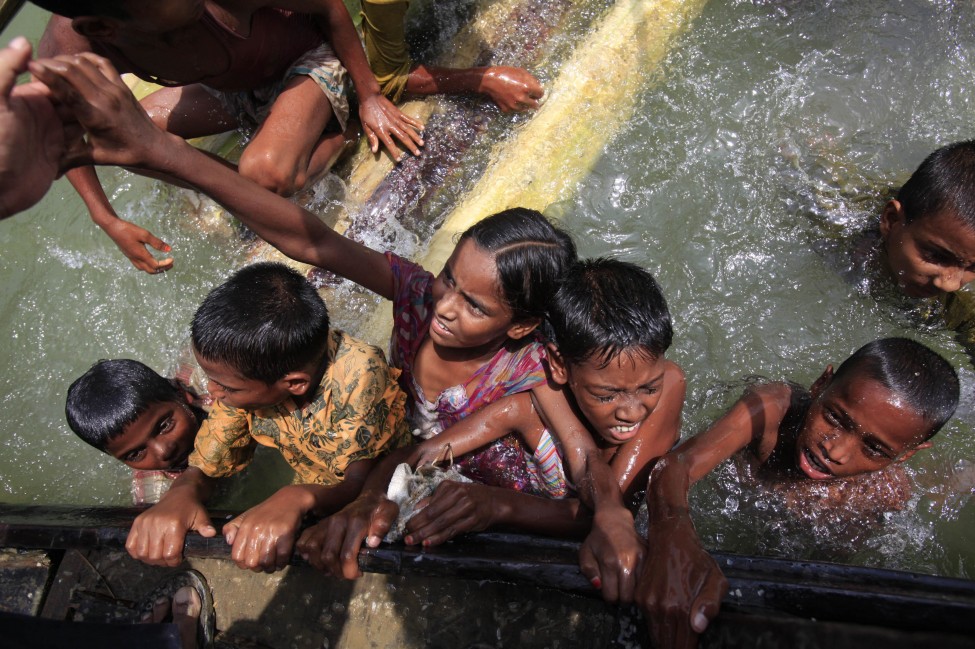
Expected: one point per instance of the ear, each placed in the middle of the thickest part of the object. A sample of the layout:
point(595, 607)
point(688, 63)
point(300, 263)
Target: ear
point(560, 372)
point(893, 213)
point(297, 383)
point(907, 455)
point(519, 330)
point(820, 384)
point(94, 27)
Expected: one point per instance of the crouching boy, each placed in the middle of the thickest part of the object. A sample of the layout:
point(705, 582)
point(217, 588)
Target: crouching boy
point(883, 404)
point(280, 378)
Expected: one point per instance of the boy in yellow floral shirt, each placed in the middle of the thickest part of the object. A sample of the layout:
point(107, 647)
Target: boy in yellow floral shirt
point(281, 378)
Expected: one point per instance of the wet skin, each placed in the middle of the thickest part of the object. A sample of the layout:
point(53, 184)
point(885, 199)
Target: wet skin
point(929, 256)
point(161, 438)
point(856, 427)
point(228, 387)
point(618, 396)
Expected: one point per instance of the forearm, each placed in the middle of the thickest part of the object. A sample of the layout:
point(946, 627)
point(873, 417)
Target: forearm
point(89, 188)
point(668, 489)
point(348, 48)
point(191, 485)
point(522, 512)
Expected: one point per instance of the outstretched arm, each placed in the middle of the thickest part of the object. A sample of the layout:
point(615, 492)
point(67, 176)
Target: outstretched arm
point(120, 133)
point(681, 586)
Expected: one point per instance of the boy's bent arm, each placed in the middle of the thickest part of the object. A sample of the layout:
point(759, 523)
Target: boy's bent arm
point(158, 534)
point(263, 537)
point(381, 120)
point(680, 586)
point(120, 133)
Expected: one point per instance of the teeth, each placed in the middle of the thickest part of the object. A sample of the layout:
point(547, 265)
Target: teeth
point(624, 429)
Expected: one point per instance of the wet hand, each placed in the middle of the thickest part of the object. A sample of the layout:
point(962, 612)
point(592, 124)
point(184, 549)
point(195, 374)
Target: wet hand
point(89, 91)
point(132, 241)
point(332, 545)
point(681, 586)
point(382, 122)
point(264, 535)
point(454, 508)
point(514, 90)
point(612, 554)
point(158, 534)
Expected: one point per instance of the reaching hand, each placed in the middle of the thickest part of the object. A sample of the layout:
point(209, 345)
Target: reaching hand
point(90, 91)
point(454, 508)
point(32, 142)
point(681, 586)
point(382, 121)
point(512, 89)
point(332, 545)
point(132, 241)
point(612, 554)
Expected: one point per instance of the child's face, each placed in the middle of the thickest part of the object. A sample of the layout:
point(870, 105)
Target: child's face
point(469, 312)
point(228, 387)
point(929, 256)
point(161, 438)
point(617, 397)
point(856, 425)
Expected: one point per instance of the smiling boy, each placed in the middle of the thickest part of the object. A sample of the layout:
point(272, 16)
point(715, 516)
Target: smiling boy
point(883, 404)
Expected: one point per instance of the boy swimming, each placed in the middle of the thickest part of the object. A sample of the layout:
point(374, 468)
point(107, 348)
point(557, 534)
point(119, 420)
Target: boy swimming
point(282, 378)
point(612, 328)
point(266, 65)
point(883, 404)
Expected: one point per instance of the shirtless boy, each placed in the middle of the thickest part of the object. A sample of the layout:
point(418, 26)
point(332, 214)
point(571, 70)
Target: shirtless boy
point(883, 404)
point(280, 64)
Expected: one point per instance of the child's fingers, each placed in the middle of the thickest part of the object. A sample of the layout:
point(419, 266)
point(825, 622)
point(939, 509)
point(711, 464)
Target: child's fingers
point(590, 567)
point(13, 61)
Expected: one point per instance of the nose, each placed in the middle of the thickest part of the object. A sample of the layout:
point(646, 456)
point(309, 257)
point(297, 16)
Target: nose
point(949, 281)
point(164, 446)
point(837, 448)
point(214, 389)
point(630, 410)
point(446, 307)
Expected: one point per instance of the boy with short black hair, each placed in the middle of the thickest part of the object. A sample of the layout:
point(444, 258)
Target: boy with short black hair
point(883, 404)
point(616, 326)
point(281, 378)
point(125, 409)
point(928, 231)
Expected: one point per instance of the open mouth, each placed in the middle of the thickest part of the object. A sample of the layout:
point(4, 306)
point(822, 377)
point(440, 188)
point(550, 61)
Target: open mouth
point(812, 466)
point(440, 327)
point(624, 433)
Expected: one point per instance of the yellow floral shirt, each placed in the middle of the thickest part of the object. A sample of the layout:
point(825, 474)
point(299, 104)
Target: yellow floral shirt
point(358, 413)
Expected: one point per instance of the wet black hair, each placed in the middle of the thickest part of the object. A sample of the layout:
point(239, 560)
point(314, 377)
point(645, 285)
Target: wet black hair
point(531, 256)
point(113, 394)
point(604, 307)
point(76, 8)
point(912, 372)
point(266, 320)
point(944, 183)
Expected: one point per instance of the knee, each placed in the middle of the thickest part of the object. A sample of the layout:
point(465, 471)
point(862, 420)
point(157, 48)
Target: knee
point(266, 171)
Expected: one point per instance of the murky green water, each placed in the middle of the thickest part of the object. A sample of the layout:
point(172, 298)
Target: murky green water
point(772, 125)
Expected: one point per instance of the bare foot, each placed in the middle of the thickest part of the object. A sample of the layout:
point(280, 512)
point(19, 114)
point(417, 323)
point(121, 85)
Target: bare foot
point(512, 89)
point(186, 615)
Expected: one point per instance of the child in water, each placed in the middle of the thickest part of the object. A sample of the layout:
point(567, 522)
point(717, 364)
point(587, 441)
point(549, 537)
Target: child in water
point(149, 423)
point(612, 328)
point(883, 404)
point(282, 378)
point(278, 66)
point(464, 338)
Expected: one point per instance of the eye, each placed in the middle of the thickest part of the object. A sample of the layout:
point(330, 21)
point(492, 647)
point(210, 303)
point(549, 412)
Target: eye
point(831, 417)
point(604, 398)
point(649, 390)
point(873, 449)
point(167, 425)
point(476, 310)
point(938, 257)
point(135, 454)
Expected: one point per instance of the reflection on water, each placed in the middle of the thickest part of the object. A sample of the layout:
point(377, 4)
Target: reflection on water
point(773, 127)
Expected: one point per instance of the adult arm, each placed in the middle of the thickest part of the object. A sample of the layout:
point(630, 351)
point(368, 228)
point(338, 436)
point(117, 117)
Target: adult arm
point(680, 587)
point(120, 133)
point(158, 534)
